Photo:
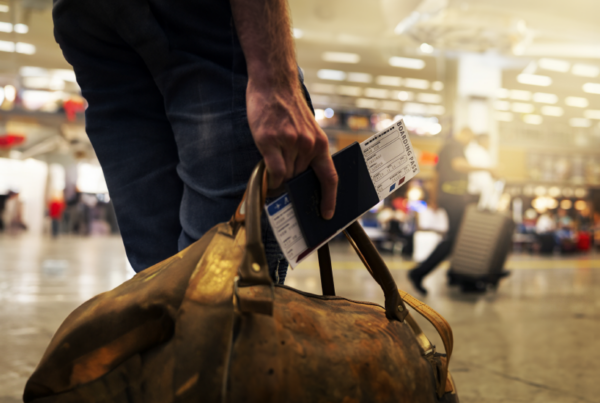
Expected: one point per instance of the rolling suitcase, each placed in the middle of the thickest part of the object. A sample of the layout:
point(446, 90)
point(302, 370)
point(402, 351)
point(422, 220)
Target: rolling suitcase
point(209, 325)
point(481, 249)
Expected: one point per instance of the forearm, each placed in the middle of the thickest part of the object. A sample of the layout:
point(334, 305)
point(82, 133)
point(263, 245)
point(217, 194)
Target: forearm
point(264, 31)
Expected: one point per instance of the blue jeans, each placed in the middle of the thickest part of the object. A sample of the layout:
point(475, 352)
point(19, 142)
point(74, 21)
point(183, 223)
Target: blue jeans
point(166, 86)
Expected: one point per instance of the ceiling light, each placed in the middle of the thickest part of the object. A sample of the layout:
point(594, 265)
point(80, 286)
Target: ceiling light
point(561, 66)
point(323, 88)
point(579, 122)
point(336, 75)
point(566, 204)
point(554, 191)
point(329, 113)
point(592, 114)
point(502, 105)
point(4, 8)
point(349, 90)
point(391, 105)
point(591, 88)
point(533, 79)
point(533, 119)
point(577, 102)
point(340, 57)
point(545, 98)
point(6, 46)
point(416, 83)
point(64, 74)
point(504, 116)
point(437, 85)
point(25, 48)
point(503, 93)
point(521, 107)
point(412, 108)
point(552, 110)
point(539, 191)
point(10, 93)
point(21, 28)
point(580, 205)
point(520, 95)
point(298, 33)
point(389, 80)
point(360, 77)
point(30, 71)
point(407, 63)
point(585, 70)
point(426, 48)
point(435, 109)
point(367, 103)
point(429, 98)
point(36, 82)
point(405, 95)
point(6, 27)
point(376, 93)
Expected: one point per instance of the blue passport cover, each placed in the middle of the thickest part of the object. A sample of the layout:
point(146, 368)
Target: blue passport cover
point(356, 194)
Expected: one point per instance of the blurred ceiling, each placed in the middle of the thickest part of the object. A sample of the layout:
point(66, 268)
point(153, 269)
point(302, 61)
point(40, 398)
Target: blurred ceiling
point(533, 27)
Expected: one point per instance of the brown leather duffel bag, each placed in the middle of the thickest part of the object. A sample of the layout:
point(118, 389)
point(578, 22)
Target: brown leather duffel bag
point(208, 325)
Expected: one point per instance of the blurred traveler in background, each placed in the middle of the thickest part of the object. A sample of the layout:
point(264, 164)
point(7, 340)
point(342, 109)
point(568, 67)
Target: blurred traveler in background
point(450, 192)
point(184, 99)
point(55, 211)
point(478, 155)
point(545, 228)
point(13, 213)
point(3, 199)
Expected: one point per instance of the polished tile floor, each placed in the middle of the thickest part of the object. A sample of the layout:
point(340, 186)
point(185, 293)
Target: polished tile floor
point(535, 340)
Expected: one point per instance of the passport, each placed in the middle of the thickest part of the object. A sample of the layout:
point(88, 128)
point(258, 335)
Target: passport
point(356, 194)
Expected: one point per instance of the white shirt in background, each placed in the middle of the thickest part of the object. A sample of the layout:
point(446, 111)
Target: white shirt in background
point(478, 156)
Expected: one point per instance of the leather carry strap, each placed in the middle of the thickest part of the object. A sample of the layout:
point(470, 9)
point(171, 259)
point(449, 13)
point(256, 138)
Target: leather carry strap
point(326, 270)
point(254, 268)
point(378, 269)
point(394, 306)
point(443, 328)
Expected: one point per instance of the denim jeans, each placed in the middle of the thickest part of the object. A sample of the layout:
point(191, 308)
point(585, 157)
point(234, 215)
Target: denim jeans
point(166, 86)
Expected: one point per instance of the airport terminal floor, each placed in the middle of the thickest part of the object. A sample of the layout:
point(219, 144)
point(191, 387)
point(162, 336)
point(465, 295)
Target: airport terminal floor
point(532, 341)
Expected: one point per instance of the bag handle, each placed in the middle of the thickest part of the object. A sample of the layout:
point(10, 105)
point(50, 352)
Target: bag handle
point(377, 267)
point(254, 269)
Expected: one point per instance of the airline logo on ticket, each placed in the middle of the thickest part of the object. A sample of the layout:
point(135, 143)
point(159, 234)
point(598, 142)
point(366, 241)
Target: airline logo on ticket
point(391, 162)
point(390, 159)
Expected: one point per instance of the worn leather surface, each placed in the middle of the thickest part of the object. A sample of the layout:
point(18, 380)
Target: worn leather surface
point(189, 330)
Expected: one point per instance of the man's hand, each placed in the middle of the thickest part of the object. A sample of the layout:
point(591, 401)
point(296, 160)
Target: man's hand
point(290, 140)
point(281, 122)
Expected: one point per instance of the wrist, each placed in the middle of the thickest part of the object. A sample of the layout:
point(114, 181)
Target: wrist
point(273, 78)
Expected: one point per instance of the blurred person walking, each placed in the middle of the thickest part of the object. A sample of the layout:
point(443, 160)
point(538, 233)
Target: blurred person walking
point(13, 213)
point(450, 192)
point(478, 155)
point(184, 99)
point(56, 207)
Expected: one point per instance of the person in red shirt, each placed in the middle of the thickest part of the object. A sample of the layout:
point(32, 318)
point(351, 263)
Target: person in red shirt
point(55, 211)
